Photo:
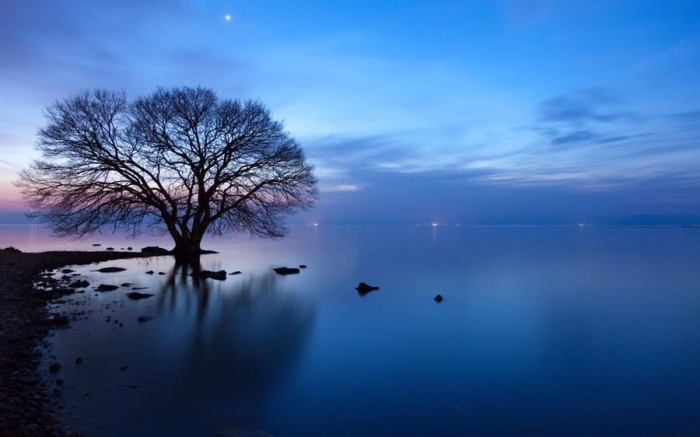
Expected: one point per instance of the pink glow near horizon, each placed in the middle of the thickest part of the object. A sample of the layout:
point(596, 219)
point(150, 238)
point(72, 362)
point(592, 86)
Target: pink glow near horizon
point(10, 198)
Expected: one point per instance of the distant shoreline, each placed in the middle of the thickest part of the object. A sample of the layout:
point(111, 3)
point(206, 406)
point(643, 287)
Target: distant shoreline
point(27, 407)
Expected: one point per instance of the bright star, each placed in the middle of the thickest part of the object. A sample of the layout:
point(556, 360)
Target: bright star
point(227, 17)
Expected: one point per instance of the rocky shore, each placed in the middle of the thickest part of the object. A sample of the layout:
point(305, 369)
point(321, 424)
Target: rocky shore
point(27, 407)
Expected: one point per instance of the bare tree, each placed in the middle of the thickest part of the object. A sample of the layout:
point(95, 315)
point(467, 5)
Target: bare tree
point(181, 160)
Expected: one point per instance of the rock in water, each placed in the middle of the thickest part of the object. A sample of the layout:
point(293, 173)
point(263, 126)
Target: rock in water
point(135, 295)
point(144, 318)
point(286, 270)
point(154, 251)
point(219, 276)
point(106, 287)
point(237, 272)
point(364, 288)
point(150, 272)
point(438, 298)
point(79, 284)
point(54, 367)
point(111, 269)
point(63, 291)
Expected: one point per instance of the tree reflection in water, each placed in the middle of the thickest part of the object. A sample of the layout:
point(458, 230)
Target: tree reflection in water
point(246, 332)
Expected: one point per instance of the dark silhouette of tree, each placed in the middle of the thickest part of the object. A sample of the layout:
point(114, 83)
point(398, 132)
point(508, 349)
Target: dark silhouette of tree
point(181, 160)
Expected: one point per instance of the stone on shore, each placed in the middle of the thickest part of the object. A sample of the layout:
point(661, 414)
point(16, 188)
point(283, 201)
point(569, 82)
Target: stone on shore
point(58, 320)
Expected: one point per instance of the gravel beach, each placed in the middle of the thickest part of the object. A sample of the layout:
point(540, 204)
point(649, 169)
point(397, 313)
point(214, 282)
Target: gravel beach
point(28, 406)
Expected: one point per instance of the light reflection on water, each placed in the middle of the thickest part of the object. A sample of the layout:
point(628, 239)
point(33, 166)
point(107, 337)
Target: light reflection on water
point(544, 331)
point(211, 346)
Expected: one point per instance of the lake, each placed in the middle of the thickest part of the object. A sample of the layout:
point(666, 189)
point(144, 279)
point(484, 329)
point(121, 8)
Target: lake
point(542, 330)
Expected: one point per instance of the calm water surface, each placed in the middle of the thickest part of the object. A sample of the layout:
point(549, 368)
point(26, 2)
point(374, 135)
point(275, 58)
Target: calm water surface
point(543, 330)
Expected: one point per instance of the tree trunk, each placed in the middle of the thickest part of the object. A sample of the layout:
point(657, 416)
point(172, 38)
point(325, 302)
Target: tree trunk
point(188, 247)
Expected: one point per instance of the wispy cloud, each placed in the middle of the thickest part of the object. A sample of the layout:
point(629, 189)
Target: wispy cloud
point(579, 107)
point(340, 188)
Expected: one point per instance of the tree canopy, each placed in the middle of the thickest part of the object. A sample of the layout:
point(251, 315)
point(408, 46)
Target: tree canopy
point(181, 160)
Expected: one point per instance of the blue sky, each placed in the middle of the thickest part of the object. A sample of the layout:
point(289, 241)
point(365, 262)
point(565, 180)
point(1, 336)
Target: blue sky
point(418, 111)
